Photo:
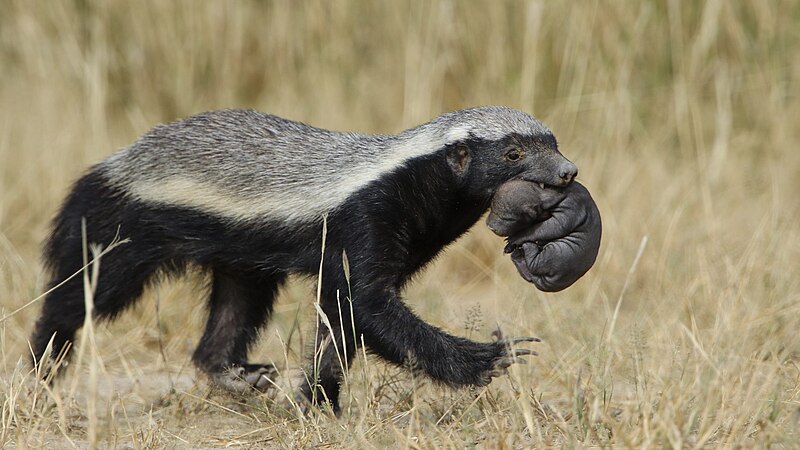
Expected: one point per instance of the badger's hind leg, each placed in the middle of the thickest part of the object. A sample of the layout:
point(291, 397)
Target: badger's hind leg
point(124, 272)
point(239, 307)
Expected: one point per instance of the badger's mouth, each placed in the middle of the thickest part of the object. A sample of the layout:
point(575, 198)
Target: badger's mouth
point(551, 183)
point(545, 185)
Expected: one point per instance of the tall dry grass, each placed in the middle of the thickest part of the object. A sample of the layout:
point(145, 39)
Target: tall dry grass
point(682, 116)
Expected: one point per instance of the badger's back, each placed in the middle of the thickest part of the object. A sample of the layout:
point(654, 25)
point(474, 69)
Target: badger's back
point(244, 164)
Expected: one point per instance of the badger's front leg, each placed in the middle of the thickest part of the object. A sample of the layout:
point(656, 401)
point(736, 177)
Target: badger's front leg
point(394, 332)
point(391, 330)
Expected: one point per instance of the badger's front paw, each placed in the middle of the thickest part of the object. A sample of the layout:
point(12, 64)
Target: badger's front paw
point(507, 355)
point(243, 378)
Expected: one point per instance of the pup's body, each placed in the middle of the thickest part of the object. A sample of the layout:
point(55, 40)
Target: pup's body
point(554, 234)
point(244, 194)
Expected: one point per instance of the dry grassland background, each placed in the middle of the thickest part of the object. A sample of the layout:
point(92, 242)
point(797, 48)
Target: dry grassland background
point(683, 117)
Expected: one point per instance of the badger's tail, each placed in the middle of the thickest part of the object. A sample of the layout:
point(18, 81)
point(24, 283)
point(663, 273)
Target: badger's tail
point(108, 215)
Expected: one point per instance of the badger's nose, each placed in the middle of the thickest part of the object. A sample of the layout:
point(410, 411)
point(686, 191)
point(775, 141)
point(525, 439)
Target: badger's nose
point(568, 172)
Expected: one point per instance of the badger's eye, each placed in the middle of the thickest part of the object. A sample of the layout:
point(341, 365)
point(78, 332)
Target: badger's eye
point(514, 154)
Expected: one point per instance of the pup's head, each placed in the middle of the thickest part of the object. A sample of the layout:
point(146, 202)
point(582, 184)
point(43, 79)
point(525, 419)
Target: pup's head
point(485, 147)
point(518, 204)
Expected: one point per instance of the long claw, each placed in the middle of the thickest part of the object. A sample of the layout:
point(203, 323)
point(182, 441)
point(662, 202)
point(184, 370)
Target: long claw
point(510, 354)
point(523, 352)
point(517, 340)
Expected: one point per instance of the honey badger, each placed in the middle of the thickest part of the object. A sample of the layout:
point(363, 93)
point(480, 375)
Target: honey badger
point(244, 194)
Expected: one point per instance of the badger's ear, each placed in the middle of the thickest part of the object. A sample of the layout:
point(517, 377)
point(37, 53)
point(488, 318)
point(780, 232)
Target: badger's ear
point(459, 157)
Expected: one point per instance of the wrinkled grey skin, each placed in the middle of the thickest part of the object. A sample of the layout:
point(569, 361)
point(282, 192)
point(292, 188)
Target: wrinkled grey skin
point(518, 204)
point(553, 234)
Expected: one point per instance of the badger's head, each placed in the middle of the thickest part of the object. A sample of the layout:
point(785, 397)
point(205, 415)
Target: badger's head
point(485, 147)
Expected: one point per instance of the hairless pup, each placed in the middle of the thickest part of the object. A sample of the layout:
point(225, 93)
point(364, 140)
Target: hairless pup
point(553, 234)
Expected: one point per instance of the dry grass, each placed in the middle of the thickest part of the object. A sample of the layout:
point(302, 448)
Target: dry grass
point(681, 115)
